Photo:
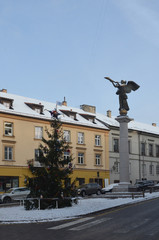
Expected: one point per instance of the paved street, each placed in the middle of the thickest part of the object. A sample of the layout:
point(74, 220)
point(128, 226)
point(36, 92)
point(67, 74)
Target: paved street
point(133, 222)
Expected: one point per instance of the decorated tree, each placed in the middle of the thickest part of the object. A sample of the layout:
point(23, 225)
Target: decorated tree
point(49, 180)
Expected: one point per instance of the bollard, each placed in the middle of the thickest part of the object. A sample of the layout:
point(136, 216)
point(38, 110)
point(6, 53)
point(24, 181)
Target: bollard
point(143, 193)
point(56, 204)
point(39, 204)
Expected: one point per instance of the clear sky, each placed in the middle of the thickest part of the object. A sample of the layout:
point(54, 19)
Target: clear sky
point(55, 48)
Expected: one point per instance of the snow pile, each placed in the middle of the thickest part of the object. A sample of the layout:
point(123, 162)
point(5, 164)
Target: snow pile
point(20, 215)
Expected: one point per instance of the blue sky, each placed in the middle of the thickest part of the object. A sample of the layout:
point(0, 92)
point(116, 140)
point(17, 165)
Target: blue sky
point(55, 48)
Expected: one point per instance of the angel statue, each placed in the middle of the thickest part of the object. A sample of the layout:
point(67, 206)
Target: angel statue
point(123, 88)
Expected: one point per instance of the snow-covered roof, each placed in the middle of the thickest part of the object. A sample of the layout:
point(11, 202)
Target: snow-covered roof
point(20, 106)
point(133, 125)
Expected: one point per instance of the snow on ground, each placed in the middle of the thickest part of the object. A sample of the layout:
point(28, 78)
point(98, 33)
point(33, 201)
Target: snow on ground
point(18, 214)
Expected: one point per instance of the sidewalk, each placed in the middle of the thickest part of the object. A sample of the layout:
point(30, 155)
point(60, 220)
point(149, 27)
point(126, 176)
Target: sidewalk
point(17, 214)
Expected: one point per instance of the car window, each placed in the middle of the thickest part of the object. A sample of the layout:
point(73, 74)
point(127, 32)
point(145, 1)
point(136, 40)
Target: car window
point(9, 190)
point(24, 189)
point(17, 190)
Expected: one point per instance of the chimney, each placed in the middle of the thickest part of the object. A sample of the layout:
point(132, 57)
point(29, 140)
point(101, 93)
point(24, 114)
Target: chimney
point(3, 90)
point(64, 103)
point(88, 108)
point(109, 113)
point(154, 124)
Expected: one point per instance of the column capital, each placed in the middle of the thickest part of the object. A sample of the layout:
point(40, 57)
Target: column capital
point(122, 119)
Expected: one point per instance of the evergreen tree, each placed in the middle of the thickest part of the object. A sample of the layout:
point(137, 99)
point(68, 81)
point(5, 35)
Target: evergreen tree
point(49, 180)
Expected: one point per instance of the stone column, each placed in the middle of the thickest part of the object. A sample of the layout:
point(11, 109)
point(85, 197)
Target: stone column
point(124, 153)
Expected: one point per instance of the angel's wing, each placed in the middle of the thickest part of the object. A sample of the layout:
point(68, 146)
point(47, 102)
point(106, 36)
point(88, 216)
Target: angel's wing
point(131, 86)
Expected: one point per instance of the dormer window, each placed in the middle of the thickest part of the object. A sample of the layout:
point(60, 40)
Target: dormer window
point(88, 117)
point(38, 110)
point(36, 107)
point(70, 114)
point(7, 102)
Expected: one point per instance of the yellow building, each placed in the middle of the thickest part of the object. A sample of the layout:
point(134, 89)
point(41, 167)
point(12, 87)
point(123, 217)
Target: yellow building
point(23, 122)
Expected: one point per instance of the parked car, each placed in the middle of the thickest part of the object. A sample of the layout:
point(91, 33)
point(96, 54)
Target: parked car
point(109, 188)
point(88, 189)
point(14, 194)
point(156, 186)
point(143, 185)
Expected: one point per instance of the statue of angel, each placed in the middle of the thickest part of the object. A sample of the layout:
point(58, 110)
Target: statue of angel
point(123, 88)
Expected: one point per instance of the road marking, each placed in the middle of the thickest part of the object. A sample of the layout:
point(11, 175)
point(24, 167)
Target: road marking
point(90, 224)
point(65, 225)
point(131, 227)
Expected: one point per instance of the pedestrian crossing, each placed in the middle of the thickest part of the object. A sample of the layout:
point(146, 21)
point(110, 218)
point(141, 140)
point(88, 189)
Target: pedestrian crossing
point(79, 221)
point(89, 225)
point(88, 222)
point(65, 225)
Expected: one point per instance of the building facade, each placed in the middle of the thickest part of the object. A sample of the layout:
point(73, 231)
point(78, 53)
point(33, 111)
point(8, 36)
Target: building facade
point(143, 143)
point(23, 122)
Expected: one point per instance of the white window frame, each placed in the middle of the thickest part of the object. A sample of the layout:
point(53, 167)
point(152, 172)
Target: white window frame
point(6, 104)
point(38, 110)
point(38, 132)
point(66, 135)
point(116, 167)
point(8, 153)
point(80, 158)
point(98, 159)
point(97, 140)
point(66, 155)
point(80, 138)
point(8, 130)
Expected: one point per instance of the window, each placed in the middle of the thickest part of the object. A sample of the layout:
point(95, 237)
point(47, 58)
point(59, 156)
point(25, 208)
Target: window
point(151, 150)
point(143, 149)
point(116, 167)
point(70, 114)
point(151, 169)
point(38, 110)
point(81, 158)
point(7, 182)
point(157, 150)
point(98, 159)
point(36, 107)
point(97, 140)
point(66, 155)
point(81, 138)
point(8, 129)
point(66, 135)
point(37, 154)
point(157, 169)
point(8, 153)
point(6, 104)
point(81, 181)
point(38, 132)
point(116, 145)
